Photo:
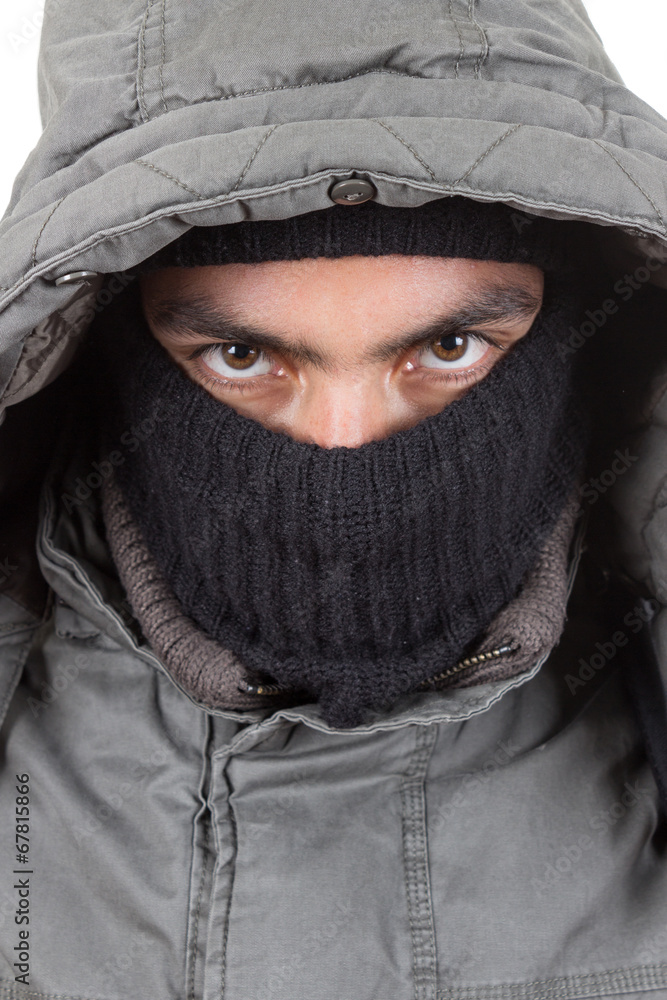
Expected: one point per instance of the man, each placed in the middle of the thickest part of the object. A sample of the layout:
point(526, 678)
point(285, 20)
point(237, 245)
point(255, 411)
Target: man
point(332, 511)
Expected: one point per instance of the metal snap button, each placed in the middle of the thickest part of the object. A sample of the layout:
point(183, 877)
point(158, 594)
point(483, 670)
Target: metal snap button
point(76, 277)
point(352, 192)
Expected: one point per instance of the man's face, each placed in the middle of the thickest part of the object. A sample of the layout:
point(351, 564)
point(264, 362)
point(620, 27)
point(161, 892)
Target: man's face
point(341, 351)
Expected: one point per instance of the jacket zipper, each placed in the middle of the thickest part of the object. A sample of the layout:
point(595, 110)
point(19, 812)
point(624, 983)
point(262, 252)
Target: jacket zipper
point(469, 661)
point(260, 688)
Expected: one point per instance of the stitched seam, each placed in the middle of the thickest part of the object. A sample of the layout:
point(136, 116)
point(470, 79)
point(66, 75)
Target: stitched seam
point(620, 988)
point(426, 948)
point(170, 177)
point(565, 994)
point(223, 970)
point(11, 992)
point(458, 32)
point(532, 203)
point(407, 146)
point(406, 873)
point(484, 42)
point(416, 948)
point(163, 50)
point(645, 977)
point(244, 93)
point(618, 976)
point(301, 86)
point(33, 257)
point(486, 153)
point(249, 163)
point(420, 867)
point(60, 163)
point(631, 220)
point(415, 869)
point(195, 935)
point(141, 59)
point(636, 183)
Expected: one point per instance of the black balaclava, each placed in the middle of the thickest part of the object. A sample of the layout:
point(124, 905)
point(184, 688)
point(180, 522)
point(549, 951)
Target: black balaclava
point(350, 574)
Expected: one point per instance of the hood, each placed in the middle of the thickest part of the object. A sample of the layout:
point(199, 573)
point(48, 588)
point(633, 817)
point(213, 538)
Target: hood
point(163, 114)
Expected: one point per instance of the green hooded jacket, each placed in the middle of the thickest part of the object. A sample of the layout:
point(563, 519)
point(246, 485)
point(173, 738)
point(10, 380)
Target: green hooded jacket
point(503, 841)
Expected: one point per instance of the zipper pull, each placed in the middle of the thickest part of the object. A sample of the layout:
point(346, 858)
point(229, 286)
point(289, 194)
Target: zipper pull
point(260, 688)
point(469, 661)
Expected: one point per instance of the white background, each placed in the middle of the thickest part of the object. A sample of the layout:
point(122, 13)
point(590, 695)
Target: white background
point(633, 32)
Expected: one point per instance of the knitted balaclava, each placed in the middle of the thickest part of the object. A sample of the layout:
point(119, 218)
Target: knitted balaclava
point(351, 575)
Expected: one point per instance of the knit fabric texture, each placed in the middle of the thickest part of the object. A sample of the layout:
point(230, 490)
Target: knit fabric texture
point(527, 629)
point(350, 574)
point(446, 227)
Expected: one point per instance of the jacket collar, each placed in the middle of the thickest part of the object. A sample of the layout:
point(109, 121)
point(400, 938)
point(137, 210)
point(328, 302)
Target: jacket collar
point(518, 637)
point(76, 559)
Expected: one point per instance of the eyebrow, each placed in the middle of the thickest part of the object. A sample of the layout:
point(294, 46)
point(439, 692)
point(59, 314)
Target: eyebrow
point(196, 317)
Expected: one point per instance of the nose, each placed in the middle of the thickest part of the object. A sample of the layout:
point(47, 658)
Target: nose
point(335, 413)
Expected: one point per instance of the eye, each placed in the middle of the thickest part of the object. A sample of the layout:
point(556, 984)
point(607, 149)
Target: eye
point(236, 360)
point(455, 350)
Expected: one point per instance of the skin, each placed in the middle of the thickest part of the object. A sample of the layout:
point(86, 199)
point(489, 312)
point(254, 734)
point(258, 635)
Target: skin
point(343, 373)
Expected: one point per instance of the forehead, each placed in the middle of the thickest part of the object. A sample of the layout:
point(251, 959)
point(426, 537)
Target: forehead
point(349, 296)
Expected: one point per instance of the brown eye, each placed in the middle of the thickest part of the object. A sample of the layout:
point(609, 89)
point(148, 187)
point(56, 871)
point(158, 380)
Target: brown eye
point(450, 348)
point(237, 361)
point(239, 356)
point(452, 352)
